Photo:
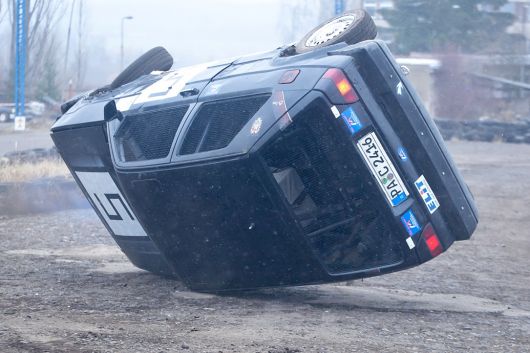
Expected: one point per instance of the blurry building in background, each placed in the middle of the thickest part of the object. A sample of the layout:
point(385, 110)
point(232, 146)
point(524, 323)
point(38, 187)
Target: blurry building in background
point(422, 71)
point(374, 7)
point(498, 86)
point(521, 10)
point(466, 87)
point(463, 86)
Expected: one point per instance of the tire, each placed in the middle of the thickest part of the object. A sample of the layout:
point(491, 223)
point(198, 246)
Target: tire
point(156, 59)
point(351, 27)
point(3, 117)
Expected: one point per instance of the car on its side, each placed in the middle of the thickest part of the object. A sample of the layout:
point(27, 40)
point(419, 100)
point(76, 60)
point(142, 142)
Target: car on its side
point(311, 163)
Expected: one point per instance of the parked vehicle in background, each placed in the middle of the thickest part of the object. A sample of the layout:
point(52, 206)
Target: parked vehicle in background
point(5, 112)
point(33, 109)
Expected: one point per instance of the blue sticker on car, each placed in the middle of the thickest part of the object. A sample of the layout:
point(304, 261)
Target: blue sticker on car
point(410, 223)
point(402, 153)
point(352, 120)
point(399, 199)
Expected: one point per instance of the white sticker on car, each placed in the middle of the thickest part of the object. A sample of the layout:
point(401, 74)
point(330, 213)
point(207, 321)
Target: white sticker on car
point(335, 111)
point(124, 104)
point(382, 169)
point(426, 193)
point(410, 243)
point(112, 206)
point(169, 85)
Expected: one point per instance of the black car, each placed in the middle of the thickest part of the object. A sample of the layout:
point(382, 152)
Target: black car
point(311, 163)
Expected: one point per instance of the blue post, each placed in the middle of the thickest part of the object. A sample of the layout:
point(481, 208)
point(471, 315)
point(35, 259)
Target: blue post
point(339, 7)
point(20, 56)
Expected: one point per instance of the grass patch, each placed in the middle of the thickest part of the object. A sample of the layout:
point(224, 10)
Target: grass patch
point(23, 172)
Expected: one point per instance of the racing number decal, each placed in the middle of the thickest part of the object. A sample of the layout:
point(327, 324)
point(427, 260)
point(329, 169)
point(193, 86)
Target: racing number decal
point(112, 206)
point(115, 216)
point(168, 86)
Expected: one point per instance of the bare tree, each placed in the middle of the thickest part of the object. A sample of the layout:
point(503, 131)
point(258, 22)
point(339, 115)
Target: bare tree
point(43, 16)
point(41, 23)
point(304, 15)
point(80, 66)
point(2, 11)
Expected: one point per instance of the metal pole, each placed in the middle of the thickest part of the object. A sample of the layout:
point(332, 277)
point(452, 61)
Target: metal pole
point(121, 47)
point(68, 36)
point(20, 57)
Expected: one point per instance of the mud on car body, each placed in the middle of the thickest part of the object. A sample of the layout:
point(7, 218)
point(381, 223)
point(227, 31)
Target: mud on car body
point(283, 168)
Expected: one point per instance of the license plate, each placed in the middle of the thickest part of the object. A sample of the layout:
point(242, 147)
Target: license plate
point(382, 169)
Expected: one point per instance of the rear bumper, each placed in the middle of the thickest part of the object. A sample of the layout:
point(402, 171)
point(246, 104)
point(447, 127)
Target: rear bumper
point(399, 116)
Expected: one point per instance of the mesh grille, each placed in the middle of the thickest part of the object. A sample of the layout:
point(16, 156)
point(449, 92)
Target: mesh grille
point(217, 123)
point(148, 135)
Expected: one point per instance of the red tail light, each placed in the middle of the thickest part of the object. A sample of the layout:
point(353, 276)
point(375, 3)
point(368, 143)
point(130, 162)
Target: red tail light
point(432, 241)
point(343, 85)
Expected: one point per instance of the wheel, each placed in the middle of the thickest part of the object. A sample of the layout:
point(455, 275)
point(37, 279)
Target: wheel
point(156, 59)
point(3, 117)
point(350, 27)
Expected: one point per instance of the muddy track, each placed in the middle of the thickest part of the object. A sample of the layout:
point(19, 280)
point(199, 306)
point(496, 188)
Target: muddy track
point(65, 287)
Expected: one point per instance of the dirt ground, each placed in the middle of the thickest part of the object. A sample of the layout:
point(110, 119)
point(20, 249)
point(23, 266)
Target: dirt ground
point(37, 135)
point(64, 287)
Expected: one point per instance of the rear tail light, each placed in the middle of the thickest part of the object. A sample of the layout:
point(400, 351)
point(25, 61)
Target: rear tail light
point(342, 84)
point(432, 241)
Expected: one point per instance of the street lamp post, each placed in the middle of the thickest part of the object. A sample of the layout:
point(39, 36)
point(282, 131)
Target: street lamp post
point(339, 7)
point(122, 22)
point(525, 31)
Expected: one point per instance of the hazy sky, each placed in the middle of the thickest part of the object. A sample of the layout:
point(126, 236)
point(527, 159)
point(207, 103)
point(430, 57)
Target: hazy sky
point(192, 31)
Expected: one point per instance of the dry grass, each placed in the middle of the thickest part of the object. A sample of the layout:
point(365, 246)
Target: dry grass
point(21, 172)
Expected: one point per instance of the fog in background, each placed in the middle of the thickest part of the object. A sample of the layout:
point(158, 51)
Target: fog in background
point(474, 65)
point(192, 31)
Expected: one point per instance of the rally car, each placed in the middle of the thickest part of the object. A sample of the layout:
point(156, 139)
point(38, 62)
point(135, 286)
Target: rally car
point(311, 163)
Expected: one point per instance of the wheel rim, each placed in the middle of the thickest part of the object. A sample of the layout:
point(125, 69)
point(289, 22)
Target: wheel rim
point(330, 31)
point(3, 117)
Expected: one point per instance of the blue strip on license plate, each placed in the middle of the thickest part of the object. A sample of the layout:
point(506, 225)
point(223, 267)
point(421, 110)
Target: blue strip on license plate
point(382, 169)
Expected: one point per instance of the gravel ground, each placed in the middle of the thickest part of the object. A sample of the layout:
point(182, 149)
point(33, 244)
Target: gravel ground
point(36, 135)
point(21, 141)
point(64, 287)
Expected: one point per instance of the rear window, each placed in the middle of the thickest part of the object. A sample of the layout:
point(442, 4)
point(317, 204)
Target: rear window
point(331, 193)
